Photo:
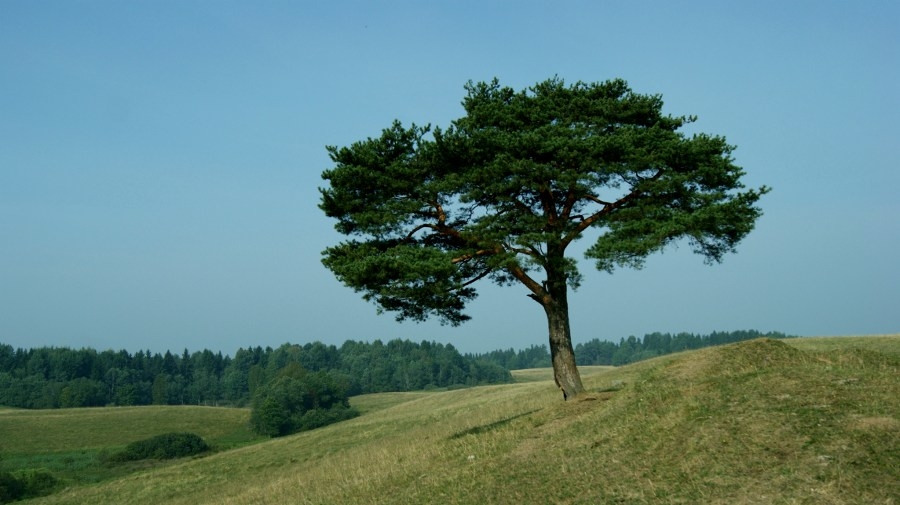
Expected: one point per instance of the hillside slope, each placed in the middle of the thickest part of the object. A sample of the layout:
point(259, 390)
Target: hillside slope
point(756, 422)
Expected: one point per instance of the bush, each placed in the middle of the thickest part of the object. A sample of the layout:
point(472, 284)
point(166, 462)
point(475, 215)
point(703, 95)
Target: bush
point(317, 418)
point(11, 488)
point(167, 446)
point(38, 483)
point(29, 484)
point(270, 417)
point(298, 400)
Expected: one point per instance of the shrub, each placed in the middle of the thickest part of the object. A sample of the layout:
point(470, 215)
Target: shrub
point(269, 417)
point(29, 484)
point(298, 400)
point(11, 488)
point(38, 483)
point(167, 446)
point(322, 417)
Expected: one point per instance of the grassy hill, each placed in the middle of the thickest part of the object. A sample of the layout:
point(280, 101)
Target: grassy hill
point(765, 421)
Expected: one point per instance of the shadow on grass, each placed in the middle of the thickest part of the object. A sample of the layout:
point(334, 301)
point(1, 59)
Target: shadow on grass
point(484, 428)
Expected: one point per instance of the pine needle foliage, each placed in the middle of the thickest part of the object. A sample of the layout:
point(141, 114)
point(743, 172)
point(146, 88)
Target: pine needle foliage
point(502, 193)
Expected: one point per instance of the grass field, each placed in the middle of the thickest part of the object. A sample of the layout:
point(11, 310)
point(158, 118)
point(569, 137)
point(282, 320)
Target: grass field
point(546, 374)
point(812, 421)
point(71, 443)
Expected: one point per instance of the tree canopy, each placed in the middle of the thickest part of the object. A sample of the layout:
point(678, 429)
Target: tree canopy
point(502, 192)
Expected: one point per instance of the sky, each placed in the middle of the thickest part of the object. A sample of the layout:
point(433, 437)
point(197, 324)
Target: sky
point(160, 162)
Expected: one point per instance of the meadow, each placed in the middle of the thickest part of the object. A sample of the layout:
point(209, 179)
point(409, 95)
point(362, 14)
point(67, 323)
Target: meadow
point(765, 421)
point(73, 444)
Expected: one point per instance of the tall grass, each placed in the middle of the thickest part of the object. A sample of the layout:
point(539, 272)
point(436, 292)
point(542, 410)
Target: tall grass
point(764, 421)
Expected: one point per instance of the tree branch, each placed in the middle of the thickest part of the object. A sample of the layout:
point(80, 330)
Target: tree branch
point(608, 207)
point(529, 251)
point(597, 200)
point(417, 229)
point(549, 205)
point(441, 215)
point(478, 277)
point(537, 290)
point(570, 203)
point(467, 257)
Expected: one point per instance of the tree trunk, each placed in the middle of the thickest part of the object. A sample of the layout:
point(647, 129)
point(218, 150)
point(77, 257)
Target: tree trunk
point(565, 372)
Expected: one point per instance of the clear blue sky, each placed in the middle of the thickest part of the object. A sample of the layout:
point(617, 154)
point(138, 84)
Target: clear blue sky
point(159, 161)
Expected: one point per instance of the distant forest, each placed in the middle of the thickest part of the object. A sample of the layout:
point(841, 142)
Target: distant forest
point(52, 377)
point(628, 350)
point(59, 377)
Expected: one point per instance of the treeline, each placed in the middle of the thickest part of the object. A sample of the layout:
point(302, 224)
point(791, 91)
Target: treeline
point(52, 377)
point(630, 350)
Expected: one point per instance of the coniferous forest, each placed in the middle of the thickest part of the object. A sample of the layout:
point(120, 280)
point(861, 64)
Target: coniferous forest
point(627, 350)
point(51, 377)
point(59, 377)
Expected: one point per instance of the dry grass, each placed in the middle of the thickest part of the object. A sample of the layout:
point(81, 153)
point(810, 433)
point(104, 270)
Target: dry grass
point(889, 344)
point(756, 422)
point(546, 374)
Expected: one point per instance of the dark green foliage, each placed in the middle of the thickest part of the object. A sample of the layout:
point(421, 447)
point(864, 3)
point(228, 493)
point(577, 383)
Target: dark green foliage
point(504, 190)
point(38, 483)
point(535, 356)
point(401, 365)
point(166, 446)
point(507, 187)
point(25, 485)
point(11, 488)
point(297, 400)
point(82, 392)
point(61, 377)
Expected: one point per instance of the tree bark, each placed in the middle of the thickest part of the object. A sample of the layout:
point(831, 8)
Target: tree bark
point(562, 355)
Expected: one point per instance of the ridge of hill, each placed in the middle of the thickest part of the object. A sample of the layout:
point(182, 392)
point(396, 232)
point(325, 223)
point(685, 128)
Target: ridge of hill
point(763, 421)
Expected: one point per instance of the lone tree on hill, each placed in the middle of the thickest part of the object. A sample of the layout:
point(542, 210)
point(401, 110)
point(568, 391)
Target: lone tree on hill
point(504, 191)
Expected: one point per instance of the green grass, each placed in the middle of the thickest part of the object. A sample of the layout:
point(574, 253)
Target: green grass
point(46, 431)
point(379, 401)
point(767, 421)
point(72, 443)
